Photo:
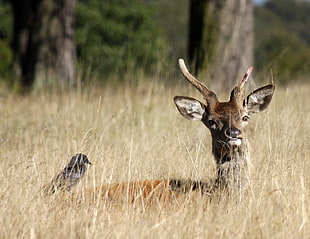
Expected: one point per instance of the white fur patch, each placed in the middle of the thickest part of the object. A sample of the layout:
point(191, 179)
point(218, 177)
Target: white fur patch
point(234, 142)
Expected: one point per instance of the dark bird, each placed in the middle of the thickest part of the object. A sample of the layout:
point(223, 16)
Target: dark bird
point(69, 176)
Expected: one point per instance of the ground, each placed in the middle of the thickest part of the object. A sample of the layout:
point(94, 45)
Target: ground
point(136, 133)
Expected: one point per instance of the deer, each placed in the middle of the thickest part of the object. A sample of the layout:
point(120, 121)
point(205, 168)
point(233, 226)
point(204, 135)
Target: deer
point(227, 123)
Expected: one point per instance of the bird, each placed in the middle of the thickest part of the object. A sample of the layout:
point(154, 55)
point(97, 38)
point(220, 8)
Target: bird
point(69, 176)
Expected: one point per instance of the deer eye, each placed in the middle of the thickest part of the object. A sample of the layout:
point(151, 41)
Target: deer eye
point(245, 118)
point(211, 123)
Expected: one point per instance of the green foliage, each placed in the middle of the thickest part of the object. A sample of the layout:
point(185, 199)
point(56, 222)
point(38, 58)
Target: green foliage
point(173, 20)
point(115, 37)
point(282, 39)
point(294, 14)
point(6, 28)
point(6, 60)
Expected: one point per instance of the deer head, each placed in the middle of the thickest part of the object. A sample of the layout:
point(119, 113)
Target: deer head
point(226, 121)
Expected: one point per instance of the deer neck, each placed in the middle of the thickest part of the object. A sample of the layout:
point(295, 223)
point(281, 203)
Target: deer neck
point(232, 165)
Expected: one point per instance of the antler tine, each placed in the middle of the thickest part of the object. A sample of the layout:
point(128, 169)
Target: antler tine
point(206, 93)
point(246, 77)
point(237, 93)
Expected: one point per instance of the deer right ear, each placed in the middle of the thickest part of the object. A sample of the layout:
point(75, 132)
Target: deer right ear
point(190, 108)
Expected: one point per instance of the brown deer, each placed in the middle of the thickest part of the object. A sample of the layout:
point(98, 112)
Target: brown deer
point(227, 122)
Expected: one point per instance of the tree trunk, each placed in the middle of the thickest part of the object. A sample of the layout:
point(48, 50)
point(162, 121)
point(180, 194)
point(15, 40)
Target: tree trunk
point(24, 15)
point(221, 40)
point(44, 47)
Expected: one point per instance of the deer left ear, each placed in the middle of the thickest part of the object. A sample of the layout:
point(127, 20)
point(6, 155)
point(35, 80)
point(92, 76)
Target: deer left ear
point(259, 99)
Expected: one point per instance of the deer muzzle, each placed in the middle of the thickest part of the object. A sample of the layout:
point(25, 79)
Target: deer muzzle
point(233, 136)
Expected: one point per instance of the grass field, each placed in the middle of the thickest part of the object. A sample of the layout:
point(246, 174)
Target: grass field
point(135, 133)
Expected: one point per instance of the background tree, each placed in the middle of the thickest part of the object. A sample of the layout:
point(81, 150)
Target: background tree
point(5, 40)
point(117, 38)
point(221, 39)
point(172, 19)
point(43, 43)
point(283, 39)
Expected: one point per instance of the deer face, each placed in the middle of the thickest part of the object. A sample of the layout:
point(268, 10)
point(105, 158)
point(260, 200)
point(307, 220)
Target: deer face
point(226, 121)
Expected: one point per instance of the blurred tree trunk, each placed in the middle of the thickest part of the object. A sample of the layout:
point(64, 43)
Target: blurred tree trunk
point(44, 47)
point(221, 39)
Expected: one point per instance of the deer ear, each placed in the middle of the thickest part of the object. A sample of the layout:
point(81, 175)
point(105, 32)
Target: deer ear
point(190, 108)
point(259, 99)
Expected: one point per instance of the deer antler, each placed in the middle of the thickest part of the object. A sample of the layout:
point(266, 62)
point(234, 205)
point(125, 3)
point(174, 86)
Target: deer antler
point(208, 95)
point(237, 94)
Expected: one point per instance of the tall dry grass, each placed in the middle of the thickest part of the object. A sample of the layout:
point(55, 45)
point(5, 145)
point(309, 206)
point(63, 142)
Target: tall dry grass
point(136, 133)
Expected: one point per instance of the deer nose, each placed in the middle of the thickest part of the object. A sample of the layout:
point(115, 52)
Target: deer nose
point(232, 133)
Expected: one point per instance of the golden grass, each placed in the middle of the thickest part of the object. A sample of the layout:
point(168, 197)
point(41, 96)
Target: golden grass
point(135, 133)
